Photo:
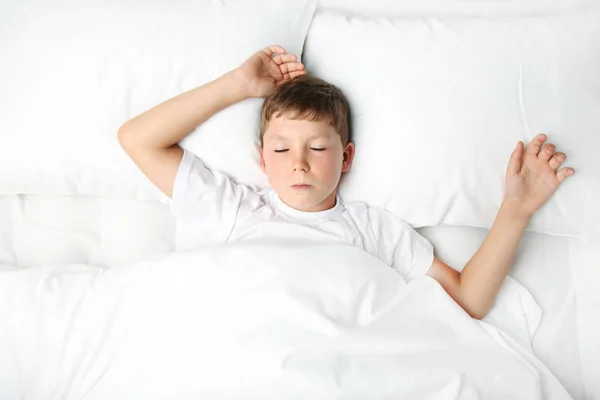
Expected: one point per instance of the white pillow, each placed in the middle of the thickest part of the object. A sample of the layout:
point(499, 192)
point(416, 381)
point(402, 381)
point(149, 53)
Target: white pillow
point(73, 72)
point(439, 104)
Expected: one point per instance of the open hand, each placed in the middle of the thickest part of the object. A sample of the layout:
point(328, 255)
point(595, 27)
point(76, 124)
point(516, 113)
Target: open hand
point(532, 176)
point(260, 74)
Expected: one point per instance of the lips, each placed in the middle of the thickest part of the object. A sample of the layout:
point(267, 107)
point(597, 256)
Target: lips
point(301, 186)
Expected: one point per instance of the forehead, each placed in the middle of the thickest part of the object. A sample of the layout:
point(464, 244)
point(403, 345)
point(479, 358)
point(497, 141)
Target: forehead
point(282, 128)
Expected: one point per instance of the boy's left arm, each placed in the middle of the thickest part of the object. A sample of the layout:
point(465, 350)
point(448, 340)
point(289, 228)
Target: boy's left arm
point(532, 177)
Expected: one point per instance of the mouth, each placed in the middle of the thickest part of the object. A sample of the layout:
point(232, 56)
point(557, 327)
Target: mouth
point(301, 187)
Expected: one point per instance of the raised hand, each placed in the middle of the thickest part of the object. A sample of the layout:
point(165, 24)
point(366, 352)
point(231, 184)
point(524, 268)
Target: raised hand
point(260, 74)
point(533, 176)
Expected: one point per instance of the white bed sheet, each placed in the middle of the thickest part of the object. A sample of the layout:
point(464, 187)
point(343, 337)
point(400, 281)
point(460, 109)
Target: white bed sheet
point(100, 231)
point(558, 271)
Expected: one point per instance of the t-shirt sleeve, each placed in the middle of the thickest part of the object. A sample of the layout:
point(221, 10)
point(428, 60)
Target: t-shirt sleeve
point(207, 203)
point(404, 248)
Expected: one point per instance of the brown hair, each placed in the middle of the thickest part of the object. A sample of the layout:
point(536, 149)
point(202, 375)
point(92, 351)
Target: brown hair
point(310, 98)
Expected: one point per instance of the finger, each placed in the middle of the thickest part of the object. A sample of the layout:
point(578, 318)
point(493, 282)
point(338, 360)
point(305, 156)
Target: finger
point(535, 144)
point(516, 160)
point(547, 152)
point(284, 58)
point(297, 73)
point(564, 173)
point(272, 68)
point(556, 160)
point(292, 75)
point(273, 49)
point(291, 67)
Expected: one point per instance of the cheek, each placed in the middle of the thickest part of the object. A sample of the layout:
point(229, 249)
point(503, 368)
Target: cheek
point(274, 165)
point(337, 158)
point(331, 164)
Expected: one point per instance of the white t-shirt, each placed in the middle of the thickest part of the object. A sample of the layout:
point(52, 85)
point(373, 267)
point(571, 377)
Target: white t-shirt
point(211, 208)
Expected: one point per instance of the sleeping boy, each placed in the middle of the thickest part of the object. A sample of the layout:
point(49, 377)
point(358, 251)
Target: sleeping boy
point(305, 149)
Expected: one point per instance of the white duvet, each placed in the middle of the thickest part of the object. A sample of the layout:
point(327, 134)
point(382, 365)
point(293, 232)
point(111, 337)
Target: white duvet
point(260, 320)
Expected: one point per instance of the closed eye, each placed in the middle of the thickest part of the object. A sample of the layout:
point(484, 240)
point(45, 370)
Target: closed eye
point(281, 151)
point(317, 149)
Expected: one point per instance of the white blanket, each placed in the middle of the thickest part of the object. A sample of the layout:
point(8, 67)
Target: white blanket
point(260, 320)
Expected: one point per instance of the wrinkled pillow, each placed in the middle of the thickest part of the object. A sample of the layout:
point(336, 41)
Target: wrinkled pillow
point(439, 104)
point(73, 72)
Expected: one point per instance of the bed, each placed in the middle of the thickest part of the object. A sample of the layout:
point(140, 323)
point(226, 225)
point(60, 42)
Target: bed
point(73, 208)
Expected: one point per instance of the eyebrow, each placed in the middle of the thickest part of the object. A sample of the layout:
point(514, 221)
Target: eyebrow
point(276, 137)
point(281, 137)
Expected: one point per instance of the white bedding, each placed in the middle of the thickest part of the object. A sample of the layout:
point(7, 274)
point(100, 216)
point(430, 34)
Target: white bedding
point(544, 265)
point(561, 273)
point(100, 326)
point(260, 320)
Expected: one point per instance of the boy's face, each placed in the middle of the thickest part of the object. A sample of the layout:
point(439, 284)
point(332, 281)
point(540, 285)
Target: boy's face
point(304, 161)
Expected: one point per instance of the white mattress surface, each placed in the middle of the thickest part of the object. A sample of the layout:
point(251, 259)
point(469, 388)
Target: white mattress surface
point(559, 272)
point(101, 231)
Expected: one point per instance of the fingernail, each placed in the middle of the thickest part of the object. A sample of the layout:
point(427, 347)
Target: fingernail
point(571, 172)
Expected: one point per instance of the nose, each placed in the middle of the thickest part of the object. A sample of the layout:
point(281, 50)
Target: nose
point(300, 163)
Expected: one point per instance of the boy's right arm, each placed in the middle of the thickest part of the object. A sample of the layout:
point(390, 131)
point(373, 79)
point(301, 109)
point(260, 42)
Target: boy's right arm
point(151, 138)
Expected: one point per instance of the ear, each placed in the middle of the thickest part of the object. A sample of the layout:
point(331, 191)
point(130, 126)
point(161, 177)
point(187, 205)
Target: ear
point(263, 166)
point(348, 157)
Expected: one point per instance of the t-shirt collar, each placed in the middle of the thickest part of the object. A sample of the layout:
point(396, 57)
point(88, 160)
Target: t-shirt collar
point(280, 206)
